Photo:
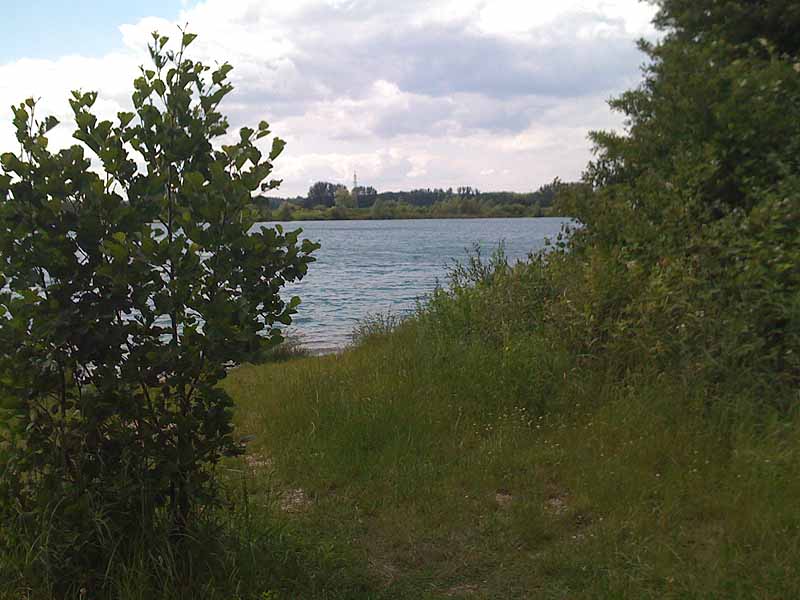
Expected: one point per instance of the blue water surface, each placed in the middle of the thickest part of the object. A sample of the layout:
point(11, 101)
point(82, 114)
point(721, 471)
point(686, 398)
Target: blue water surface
point(368, 267)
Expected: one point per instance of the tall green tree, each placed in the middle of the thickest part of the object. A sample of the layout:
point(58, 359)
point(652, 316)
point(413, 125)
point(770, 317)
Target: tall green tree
point(343, 198)
point(321, 193)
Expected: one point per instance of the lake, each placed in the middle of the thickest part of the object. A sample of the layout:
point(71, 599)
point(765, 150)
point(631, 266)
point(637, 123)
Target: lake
point(368, 267)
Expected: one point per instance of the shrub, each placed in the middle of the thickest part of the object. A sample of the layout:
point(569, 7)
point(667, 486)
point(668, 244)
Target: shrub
point(690, 237)
point(374, 326)
point(125, 297)
point(491, 299)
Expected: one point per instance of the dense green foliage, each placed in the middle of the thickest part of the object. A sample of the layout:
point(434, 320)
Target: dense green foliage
point(691, 240)
point(125, 297)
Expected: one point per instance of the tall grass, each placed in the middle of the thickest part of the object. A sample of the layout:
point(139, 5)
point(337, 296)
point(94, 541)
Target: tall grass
point(490, 446)
point(472, 451)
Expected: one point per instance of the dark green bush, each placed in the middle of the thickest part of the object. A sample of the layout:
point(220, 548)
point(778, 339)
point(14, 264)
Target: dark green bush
point(126, 295)
point(690, 244)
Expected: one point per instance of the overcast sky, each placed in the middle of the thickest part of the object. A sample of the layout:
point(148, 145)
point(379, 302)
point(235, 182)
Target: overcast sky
point(496, 94)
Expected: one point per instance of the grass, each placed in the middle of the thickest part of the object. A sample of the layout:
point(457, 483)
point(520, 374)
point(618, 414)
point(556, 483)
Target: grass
point(417, 468)
point(472, 452)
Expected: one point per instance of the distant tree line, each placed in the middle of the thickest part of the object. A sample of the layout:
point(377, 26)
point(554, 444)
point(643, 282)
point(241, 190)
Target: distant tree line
point(334, 201)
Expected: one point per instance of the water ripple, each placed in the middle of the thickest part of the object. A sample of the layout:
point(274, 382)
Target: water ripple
point(366, 267)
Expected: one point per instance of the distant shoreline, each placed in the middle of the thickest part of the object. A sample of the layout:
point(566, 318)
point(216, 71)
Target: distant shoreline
point(367, 215)
point(328, 201)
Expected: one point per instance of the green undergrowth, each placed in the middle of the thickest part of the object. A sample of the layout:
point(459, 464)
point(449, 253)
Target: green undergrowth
point(466, 453)
point(434, 466)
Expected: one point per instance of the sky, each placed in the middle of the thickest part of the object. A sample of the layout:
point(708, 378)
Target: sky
point(494, 94)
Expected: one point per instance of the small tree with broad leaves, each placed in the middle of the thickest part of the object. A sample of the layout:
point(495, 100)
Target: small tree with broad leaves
point(126, 293)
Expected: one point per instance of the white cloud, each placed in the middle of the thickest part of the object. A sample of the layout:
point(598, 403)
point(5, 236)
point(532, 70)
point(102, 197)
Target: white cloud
point(494, 93)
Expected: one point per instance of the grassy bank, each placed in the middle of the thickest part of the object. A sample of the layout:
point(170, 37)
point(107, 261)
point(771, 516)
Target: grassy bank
point(465, 453)
point(430, 463)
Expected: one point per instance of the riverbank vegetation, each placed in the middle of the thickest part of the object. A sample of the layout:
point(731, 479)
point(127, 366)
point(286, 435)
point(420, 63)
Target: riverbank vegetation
point(614, 418)
point(617, 418)
point(471, 452)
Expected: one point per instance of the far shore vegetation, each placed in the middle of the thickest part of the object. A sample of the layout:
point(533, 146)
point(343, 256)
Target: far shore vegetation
point(328, 201)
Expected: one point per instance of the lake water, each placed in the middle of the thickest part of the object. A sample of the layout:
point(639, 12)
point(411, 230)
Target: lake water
point(368, 267)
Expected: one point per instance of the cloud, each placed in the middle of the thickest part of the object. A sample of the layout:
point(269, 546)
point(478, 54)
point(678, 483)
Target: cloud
point(494, 93)
point(449, 59)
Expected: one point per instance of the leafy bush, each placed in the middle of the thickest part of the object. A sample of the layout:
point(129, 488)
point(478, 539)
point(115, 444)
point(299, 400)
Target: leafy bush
point(489, 298)
point(691, 230)
point(125, 297)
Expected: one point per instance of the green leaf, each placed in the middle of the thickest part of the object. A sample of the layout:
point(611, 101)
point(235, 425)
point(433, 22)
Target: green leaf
point(277, 147)
point(263, 130)
point(11, 163)
point(125, 118)
point(220, 74)
point(188, 38)
point(49, 123)
point(245, 133)
point(271, 184)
